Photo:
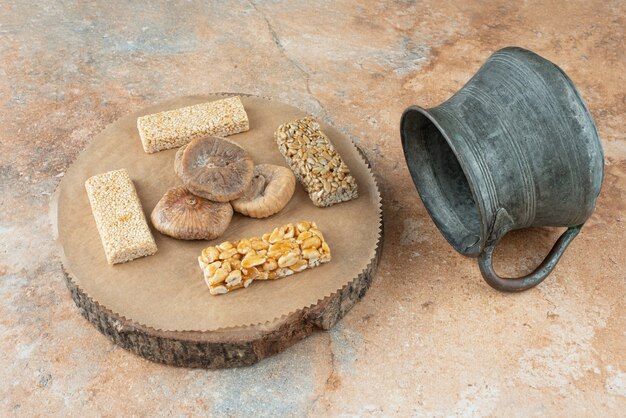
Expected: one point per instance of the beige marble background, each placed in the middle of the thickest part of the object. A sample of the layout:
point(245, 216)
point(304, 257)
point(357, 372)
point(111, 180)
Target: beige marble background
point(430, 338)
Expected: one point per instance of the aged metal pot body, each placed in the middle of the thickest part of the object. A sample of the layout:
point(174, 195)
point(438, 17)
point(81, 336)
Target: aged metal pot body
point(515, 147)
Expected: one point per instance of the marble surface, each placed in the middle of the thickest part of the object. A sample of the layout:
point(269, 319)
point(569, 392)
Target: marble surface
point(430, 338)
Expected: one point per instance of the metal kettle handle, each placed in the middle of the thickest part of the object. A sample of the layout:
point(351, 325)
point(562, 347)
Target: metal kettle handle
point(485, 262)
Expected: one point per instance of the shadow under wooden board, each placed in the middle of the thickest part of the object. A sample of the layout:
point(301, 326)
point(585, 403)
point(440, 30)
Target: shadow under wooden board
point(159, 306)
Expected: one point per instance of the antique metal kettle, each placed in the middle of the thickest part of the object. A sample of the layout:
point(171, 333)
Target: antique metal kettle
point(515, 147)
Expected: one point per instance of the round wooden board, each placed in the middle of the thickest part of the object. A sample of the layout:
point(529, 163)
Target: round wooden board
point(223, 347)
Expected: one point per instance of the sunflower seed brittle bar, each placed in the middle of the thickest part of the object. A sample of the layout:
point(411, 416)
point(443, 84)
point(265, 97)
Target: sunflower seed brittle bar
point(315, 162)
point(288, 249)
point(175, 128)
point(119, 217)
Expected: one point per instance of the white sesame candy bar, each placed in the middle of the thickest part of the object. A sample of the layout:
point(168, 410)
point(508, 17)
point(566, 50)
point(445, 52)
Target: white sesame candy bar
point(175, 128)
point(119, 217)
point(288, 249)
point(315, 162)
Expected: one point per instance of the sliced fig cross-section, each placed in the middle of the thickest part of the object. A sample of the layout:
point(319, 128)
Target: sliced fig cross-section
point(215, 169)
point(271, 189)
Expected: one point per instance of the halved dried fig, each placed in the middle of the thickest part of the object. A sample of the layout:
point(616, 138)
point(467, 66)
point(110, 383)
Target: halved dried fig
point(271, 189)
point(183, 215)
point(215, 169)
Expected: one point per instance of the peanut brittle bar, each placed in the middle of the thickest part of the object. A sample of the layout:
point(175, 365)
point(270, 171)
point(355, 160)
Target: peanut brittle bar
point(288, 249)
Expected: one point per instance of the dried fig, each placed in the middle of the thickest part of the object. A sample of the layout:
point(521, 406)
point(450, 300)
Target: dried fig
point(183, 215)
point(271, 189)
point(215, 169)
point(178, 160)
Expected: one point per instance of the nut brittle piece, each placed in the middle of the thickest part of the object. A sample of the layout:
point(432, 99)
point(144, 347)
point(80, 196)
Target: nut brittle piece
point(119, 217)
point(286, 250)
point(315, 162)
point(175, 128)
